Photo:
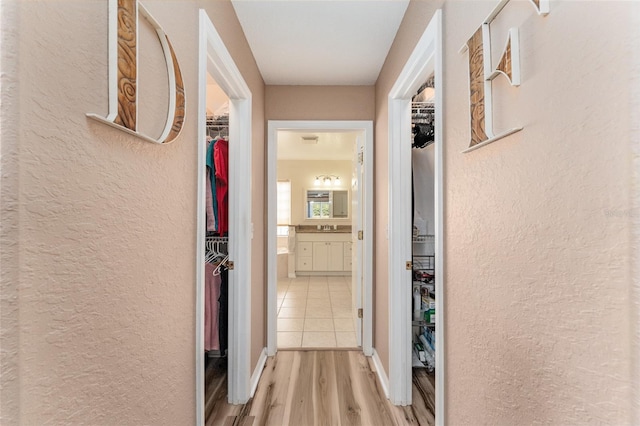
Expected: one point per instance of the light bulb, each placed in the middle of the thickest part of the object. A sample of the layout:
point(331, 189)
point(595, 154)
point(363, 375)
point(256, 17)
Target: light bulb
point(317, 181)
point(327, 181)
point(337, 182)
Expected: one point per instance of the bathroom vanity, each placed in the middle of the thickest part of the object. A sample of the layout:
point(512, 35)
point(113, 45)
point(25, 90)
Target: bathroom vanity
point(323, 252)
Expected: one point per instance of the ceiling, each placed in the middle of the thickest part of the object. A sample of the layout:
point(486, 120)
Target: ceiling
point(322, 42)
point(337, 145)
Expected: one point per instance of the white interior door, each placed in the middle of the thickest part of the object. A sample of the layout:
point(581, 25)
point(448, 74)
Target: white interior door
point(357, 208)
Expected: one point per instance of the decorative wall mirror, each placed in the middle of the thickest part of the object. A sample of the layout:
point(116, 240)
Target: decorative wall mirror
point(326, 204)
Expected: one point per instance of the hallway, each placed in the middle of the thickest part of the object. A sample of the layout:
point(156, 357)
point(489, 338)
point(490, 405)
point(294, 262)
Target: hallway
point(318, 387)
point(103, 211)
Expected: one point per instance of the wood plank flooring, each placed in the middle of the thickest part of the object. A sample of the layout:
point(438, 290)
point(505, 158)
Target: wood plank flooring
point(305, 388)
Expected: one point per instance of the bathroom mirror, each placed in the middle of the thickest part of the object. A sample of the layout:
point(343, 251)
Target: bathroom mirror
point(327, 204)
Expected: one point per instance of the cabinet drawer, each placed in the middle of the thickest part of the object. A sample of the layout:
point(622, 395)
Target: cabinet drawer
point(304, 248)
point(305, 263)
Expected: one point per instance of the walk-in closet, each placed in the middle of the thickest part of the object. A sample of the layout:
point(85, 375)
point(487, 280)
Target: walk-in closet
point(216, 257)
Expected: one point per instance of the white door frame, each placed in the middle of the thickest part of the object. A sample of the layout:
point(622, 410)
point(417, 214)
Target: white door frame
point(215, 58)
point(358, 198)
point(425, 59)
point(272, 280)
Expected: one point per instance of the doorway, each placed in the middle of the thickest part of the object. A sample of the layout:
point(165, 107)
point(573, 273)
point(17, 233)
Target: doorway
point(215, 64)
point(425, 61)
point(314, 216)
point(328, 203)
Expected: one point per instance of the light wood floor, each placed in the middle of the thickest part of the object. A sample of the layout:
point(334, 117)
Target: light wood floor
point(305, 388)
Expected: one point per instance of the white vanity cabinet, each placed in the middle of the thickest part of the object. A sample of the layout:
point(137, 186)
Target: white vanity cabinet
point(328, 256)
point(304, 257)
point(323, 252)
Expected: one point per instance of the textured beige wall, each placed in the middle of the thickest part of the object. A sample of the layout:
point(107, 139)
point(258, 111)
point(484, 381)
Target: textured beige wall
point(319, 102)
point(537, 226)
point(98, 280)
point(635, 221)
point(9, 219)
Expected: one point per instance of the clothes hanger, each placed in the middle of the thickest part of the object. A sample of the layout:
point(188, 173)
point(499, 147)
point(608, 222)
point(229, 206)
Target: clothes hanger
point(222, 264)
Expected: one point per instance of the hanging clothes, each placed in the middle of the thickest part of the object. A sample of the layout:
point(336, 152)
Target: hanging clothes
point(212, 285)
point(211, 186)
point(221, 165)
point(223, 312)
point(211, 219)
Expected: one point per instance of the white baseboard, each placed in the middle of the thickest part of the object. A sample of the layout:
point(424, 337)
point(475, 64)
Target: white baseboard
point(382, 376)
point(257, 373)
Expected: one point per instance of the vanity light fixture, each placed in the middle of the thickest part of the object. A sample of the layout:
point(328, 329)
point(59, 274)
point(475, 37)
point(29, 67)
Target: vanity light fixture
point(327, 180)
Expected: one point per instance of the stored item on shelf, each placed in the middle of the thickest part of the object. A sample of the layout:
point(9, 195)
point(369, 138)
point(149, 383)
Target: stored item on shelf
point(422, 355)
point(430, 316)
point(428, 303)
point(429, 287)
point(430, 337)
point(430, 361)
point(416, 303)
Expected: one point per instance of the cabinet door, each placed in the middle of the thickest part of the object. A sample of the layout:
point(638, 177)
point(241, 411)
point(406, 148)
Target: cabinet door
point(340, 204)
point(320, 256)
point(347, 256)
point(336, 256)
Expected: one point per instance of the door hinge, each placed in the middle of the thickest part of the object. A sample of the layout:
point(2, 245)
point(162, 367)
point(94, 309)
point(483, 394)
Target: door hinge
point(409, 265)
point(230, 265)
point(361, 157)
point(360, 235)
point(360, 314)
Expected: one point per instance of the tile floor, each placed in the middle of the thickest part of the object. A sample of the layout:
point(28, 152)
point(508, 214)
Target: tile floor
point(315, 312)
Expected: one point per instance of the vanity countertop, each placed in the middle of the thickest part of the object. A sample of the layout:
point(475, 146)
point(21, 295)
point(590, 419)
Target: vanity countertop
point(313, 229)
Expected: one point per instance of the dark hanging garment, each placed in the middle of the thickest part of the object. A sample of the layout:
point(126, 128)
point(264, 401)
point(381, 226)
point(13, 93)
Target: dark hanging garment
point(223, 311)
